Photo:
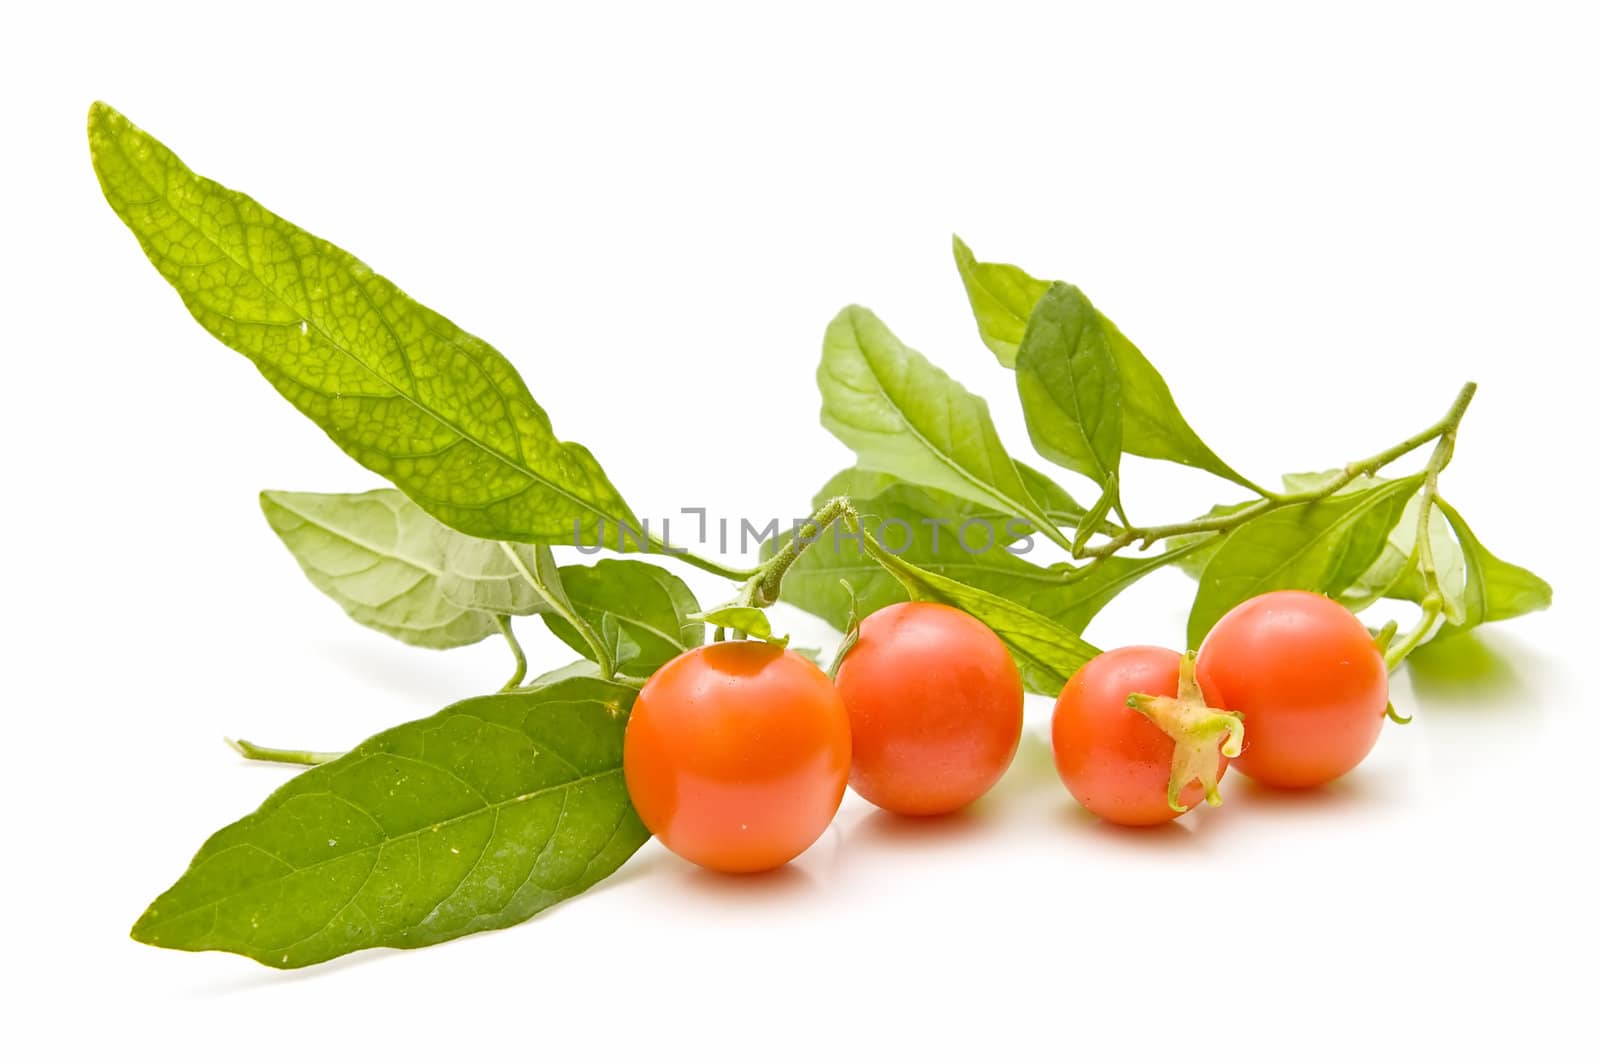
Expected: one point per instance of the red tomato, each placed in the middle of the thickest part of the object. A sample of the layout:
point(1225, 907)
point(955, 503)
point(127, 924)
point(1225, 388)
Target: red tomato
point(1136, 769)
point(736, 755)
point(935, 705)
point(1309, 680)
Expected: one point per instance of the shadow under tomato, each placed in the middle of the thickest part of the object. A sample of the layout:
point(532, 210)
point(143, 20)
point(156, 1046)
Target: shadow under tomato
point(1173, 834)
point(1257, 800)
point(669, 871)
point(779, 885)
point(891, 830)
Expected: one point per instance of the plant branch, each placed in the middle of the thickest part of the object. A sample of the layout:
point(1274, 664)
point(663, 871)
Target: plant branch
point(762, 588)
point(251, 751)
point(503, 622)
point(704, 564)
point(1433, 593)
point(1444, 427)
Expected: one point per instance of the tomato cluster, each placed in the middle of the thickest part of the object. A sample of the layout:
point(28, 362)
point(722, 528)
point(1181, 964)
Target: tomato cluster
point(737, 754)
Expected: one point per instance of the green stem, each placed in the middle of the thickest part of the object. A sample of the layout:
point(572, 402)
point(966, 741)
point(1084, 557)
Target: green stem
point(761, 590)
point(503, 622)
point(1431, 612)
point(1444, 427)
point(1433, 593)
point(852, 627)
point(704, 564)
point(561, 607)
point(251, 751)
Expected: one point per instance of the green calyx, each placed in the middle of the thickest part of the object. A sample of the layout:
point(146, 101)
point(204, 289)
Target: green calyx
point(1196, 729)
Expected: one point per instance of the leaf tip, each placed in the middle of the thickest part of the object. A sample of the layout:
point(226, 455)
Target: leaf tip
point(141, 930)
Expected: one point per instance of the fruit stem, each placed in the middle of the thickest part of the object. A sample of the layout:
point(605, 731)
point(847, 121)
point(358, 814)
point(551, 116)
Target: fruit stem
point(1195, 729)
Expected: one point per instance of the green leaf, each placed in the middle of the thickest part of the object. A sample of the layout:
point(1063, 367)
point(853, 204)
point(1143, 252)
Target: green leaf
point(1321, 546)
point(1046, 653)
point(514, 579)
point(642, 611)
point(1002, 299)
point(903, 415)
point(1494, 589)
point(1152, 424)
point(1396, 573)
point(381, 558)
point(746, 619)
point(517, 579)
point(404, 391)
point(475, 818)
point(1071, 393)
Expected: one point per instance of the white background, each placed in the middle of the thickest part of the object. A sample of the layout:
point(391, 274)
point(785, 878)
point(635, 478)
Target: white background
point(1316, 226)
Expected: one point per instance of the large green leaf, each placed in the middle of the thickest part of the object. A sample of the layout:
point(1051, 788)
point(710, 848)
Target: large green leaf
point(401, 389)
point(1002, 299)
point(903, 415)
point(472, 819)
point(381, 558)
point(1494, 589)
point(641, 611)
point(1071, 392)
point(1321, 546)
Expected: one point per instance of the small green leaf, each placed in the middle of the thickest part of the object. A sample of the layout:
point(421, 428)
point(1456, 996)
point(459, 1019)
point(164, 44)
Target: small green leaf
point(381, 558)
point(1096, 516)
point(1321, 546)
point(475, 818)
point(1002, 299)
point(1152, 424)
point(903, 415)
point(402, 390)
point(1071, 392)
point(1494, 589)
point(746, 619)
point(642, 611)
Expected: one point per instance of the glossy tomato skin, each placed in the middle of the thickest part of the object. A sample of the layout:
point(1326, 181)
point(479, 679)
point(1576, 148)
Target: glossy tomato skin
point(935, 704)
point(1114, 760)
point(736, 755)
point(1309, 680)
